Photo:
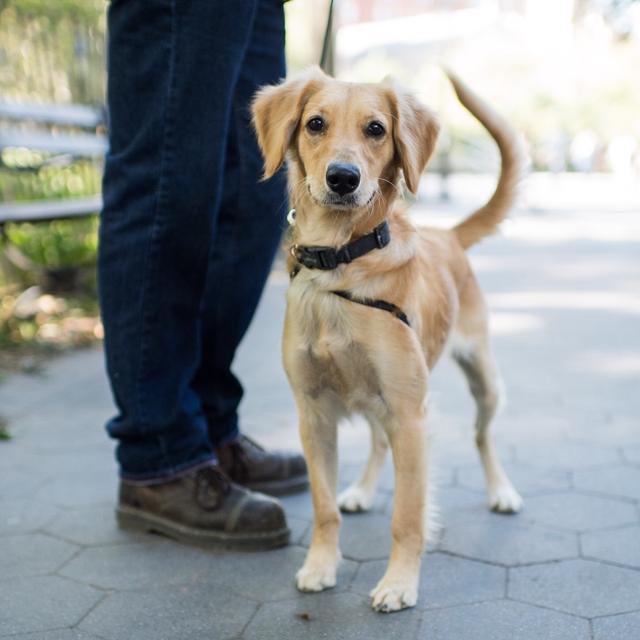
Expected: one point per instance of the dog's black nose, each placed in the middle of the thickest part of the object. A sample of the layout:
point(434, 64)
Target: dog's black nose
point(343, 178)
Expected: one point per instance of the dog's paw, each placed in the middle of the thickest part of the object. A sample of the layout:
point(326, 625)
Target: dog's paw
point(354, 499)
point(505, 499)
point(315, 577)
point(391, 596)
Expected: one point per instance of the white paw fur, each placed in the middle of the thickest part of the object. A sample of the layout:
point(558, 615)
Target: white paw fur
point(355, 498)
point(391, 596)
point(316, 576)
point(505, 499)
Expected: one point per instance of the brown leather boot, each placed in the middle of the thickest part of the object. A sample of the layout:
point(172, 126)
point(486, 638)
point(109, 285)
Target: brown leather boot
point(275, 473)
point(204, 507)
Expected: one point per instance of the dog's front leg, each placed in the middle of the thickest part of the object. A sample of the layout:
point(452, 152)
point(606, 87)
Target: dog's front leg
point(318, 431)
point(399, 586)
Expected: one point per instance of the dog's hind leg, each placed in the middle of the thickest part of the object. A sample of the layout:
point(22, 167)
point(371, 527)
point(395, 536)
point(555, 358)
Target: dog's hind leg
point(472, 352)
point(359, 496)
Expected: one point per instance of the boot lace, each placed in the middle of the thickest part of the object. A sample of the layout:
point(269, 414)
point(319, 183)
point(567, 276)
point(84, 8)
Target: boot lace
point(210, 486)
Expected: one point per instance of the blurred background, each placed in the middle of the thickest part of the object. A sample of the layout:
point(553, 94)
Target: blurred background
point(564, 71)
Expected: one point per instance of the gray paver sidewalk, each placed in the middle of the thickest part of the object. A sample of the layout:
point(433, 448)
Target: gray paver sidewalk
point(567, 337)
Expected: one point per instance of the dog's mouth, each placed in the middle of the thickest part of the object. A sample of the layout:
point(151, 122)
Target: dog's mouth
point(341, 203)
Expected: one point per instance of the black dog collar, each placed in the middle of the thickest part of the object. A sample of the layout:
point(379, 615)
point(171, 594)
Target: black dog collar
point(327, 258)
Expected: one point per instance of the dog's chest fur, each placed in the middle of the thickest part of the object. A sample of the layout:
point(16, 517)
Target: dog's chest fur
point(326, 354)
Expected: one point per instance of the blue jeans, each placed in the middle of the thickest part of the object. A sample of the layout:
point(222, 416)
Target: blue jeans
point(188, 233)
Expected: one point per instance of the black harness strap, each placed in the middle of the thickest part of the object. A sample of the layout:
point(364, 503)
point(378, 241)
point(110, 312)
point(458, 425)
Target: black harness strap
point(376, 304)
point(327, 258)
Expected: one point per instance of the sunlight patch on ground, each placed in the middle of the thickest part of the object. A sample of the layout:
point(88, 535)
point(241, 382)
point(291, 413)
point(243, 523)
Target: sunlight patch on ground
point(547, 227)
point(612, 363)
point(621, 227)
point(614, 301)
point(510, 323)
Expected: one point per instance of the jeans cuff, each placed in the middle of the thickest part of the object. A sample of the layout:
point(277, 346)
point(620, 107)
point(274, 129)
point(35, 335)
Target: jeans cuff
point(159, 477)
point(227, 438)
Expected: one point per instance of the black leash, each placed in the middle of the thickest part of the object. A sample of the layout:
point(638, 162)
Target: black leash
point(327, 258)
point(325, 56)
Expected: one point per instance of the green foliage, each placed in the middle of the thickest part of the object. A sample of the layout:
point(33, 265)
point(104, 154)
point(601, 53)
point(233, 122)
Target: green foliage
point(29, 177)
point(52, 50)
point(57, 10)
point(57, 244)
point(61, 243)
point(4, 430)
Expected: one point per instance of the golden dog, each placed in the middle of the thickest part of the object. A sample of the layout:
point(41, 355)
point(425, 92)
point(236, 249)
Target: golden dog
point(362, 333)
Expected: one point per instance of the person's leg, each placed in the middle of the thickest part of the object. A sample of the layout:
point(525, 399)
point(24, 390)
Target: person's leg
point(248, 231)
point(173, 65)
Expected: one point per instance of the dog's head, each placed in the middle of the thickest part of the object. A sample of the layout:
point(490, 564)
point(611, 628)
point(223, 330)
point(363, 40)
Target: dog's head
point(346, 142)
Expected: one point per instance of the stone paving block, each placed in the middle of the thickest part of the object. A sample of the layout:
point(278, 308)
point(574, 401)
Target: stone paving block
point(621, 627)
point(349, 473)
point(64, 463)
point(455, 504)
point(623, 481)
point(632, 454)
point(528, 480)
point(92, 526)
point(19, 392)
point(503, 620)
point(32, 554)
point(564, 455)
point(328, 616)
point(363, 536)
point(298, 505)
point(621, 546)
point(445, 580)
point(267, 576)
point(21, 515)
point(42, 603)
point(579, 512)
point(193, 612)
point(463, 453)
point(524, 428)
point(79, 489)
point(57, 385)
point(17, 483)
point(582, 587)
point(508, 543)
point(141, 565)
point(61, 634)
point(299, 528)
point(613, 432)
point(40, 431)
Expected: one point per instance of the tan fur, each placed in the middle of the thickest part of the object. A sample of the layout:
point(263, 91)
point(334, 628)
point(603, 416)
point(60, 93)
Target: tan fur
point(343, 357)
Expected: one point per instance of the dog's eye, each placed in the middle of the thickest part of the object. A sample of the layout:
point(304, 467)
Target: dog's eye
point(316, 125)
point(375, 129)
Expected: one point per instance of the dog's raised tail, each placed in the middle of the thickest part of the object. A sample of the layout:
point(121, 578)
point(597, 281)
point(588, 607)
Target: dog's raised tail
point(485, 220)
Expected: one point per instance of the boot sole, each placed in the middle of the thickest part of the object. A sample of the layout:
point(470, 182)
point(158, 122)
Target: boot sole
point(133, 519)
point(280, 487)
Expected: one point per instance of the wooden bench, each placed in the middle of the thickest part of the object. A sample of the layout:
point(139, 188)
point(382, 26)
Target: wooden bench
point(57, 131)
point(43, 210)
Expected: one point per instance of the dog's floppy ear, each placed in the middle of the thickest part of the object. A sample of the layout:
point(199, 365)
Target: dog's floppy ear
point(276, 113)
point(415, 132)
